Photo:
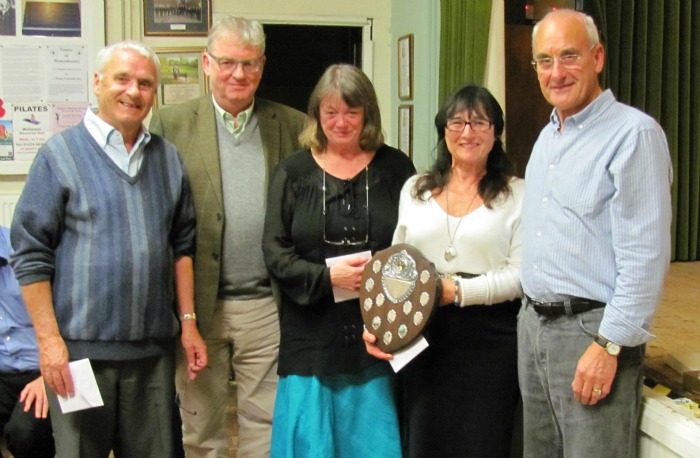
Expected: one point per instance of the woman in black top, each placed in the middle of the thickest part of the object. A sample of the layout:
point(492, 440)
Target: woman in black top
point(338, 196)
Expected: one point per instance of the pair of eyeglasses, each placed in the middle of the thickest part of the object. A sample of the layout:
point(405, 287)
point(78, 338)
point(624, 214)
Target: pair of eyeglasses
point(568, 61)
point(229, 65)
point(459, 124)
point(178, 403)
point(346, 208)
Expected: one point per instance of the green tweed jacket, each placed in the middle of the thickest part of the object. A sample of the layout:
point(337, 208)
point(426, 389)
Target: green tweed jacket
point(191, 126)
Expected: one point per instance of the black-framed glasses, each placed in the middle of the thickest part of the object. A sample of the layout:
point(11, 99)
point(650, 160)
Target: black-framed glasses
point(227, 64)
point(347, 207)
point(477, 125)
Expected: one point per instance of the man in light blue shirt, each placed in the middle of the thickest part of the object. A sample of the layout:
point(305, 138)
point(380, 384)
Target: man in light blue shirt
point(596, 247)
point(23, 404)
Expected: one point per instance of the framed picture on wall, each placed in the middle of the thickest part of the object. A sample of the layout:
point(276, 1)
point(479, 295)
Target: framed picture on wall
point(182, 77)
point(405, 142)
point(405, 49)
point(177, 18)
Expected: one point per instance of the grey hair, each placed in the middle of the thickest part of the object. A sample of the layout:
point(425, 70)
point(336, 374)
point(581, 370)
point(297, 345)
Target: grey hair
point(105, 55)
point(249, 31)
point(588, 22)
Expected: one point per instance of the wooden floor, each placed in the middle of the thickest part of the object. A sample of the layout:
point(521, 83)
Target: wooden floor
point(676, 324)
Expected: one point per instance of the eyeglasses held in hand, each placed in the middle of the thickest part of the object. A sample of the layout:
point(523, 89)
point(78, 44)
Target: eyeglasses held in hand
point(459, 124)
point(346, 209)
point(226, 64)
point(178, 402)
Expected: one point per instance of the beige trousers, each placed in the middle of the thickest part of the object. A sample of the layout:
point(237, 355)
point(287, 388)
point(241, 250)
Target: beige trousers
point(244, 340)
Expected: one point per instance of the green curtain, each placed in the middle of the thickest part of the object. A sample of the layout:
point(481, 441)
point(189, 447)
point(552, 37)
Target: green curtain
point(464, 36)
point(653, 63)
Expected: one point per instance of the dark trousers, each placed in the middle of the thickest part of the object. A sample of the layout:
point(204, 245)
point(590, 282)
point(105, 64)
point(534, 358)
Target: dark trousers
point(136, 419)
point(25, 435)
point(458, 398)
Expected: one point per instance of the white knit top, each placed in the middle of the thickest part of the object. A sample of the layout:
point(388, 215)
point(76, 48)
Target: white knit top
point(487, 242)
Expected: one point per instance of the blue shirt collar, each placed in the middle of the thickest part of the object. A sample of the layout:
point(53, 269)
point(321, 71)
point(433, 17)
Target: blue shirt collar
point(592, 110)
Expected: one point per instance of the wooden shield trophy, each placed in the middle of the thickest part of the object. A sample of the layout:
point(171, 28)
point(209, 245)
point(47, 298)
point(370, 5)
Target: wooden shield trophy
point(399, 291)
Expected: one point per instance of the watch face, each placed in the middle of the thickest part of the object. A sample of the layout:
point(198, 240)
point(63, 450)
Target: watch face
point(613, 348)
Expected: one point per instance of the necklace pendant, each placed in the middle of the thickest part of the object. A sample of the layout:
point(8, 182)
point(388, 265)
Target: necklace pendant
point(450, 253)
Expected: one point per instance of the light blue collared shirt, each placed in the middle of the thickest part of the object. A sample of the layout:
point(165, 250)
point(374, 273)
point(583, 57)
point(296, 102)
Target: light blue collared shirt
point(597, 215)
point(112, 142)
point(18, 346)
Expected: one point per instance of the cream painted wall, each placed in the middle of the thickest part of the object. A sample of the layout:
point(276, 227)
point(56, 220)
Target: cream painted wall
point(422, 19)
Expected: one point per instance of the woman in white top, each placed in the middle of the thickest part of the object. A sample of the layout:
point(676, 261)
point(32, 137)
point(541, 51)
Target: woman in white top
point(459, 396)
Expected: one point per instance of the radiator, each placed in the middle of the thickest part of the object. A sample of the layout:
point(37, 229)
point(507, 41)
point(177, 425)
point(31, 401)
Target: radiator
point(7, 208)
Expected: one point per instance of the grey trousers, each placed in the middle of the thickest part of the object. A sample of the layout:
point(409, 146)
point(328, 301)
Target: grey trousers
point(135, 420)
point(556, 424)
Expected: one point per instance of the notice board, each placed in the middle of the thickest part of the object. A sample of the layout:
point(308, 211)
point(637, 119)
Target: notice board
point(47, 54)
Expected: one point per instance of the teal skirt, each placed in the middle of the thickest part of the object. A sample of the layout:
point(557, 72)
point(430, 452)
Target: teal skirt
point(339, 416)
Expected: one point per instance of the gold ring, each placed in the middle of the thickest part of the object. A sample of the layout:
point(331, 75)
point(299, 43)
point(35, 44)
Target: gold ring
point(597, 392)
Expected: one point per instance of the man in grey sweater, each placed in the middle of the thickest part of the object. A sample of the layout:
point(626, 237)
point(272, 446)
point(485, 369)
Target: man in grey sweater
point(230, 141)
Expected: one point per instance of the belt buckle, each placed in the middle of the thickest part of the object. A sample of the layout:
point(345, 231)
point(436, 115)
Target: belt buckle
point(542, 308)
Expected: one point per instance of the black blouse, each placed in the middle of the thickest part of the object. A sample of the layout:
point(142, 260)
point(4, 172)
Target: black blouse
point(319, 336)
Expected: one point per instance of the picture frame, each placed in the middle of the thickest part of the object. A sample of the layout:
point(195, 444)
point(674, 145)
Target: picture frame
point(167, 18)
point(405, 63)
point(405, 141)
point(182, 77)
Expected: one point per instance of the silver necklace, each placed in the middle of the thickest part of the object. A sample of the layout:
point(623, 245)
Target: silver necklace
point(451, 251)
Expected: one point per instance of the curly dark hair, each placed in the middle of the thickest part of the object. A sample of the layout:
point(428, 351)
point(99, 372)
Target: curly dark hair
point(499, 168)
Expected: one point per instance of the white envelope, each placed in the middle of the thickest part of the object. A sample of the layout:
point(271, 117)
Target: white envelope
point(340, 294)
point(406, 354)
point(87, 394)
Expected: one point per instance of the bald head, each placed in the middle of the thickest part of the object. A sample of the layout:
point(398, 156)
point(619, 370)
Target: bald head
point(575, 16)
point(569, 58)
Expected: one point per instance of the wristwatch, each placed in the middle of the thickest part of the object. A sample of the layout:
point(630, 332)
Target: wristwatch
point(612, 348)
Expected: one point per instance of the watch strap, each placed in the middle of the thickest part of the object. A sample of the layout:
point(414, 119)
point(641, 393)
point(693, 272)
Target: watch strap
point(609, 346)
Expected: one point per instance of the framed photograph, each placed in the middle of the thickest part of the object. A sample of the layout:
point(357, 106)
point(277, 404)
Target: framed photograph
point(406, 130)
point(406, 67)
point(190, 18)
point(181, 75)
